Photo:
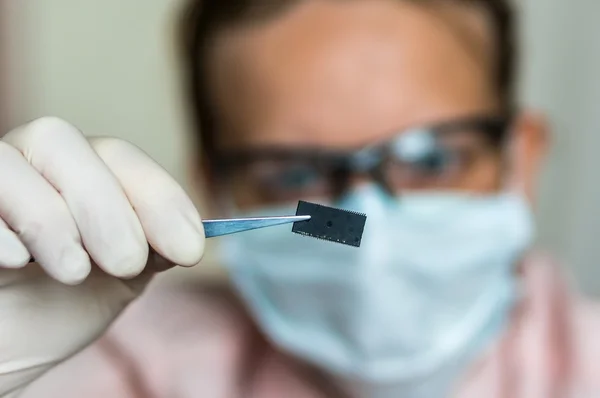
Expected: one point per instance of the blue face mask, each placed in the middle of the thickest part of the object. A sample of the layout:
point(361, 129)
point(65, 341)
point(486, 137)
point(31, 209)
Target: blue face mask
point(432, 283)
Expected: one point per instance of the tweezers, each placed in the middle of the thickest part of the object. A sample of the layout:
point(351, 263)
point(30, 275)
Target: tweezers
point(214, 228)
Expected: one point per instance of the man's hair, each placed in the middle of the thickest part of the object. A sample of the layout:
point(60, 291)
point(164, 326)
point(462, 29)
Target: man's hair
point(202, 21)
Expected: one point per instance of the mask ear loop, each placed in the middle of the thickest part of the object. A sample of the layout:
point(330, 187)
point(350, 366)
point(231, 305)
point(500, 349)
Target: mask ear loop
point(515, 186)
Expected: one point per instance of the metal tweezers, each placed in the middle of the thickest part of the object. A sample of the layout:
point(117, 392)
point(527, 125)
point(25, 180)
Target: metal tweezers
point(214, 228)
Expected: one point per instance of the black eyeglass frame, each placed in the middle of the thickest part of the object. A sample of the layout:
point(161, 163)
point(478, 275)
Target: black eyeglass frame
point(367, 160)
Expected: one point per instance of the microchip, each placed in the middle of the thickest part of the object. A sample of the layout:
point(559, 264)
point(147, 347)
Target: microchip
point(331, 224)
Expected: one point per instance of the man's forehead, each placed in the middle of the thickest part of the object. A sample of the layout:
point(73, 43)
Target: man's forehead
point(326, 53)
point(463, 21)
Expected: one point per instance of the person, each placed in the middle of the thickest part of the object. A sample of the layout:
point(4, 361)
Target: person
point(404, 110)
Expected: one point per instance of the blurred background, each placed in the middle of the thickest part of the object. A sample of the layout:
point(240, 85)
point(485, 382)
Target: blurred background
point(109, 67)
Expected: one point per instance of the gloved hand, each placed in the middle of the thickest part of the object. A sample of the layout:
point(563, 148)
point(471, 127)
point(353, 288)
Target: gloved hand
point(87, 210)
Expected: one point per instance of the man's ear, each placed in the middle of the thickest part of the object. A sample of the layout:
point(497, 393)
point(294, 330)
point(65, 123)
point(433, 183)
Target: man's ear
point(528, 146)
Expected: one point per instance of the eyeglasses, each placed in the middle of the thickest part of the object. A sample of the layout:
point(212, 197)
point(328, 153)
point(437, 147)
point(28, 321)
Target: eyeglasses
point(429, 157)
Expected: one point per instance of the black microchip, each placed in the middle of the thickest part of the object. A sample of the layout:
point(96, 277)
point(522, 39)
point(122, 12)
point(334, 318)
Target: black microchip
point(328, 223)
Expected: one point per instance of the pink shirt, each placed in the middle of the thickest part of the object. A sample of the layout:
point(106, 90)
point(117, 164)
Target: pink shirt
point(193, 341)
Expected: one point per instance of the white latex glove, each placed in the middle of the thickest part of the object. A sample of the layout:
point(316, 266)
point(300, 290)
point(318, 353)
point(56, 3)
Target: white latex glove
point(87, 211)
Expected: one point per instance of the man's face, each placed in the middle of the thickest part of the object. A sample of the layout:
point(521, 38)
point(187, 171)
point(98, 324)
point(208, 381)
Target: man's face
point(340, 76)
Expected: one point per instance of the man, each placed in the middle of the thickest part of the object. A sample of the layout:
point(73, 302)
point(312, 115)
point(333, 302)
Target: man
point(401, 109)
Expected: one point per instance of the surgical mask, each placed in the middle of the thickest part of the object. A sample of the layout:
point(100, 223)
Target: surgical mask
point(432, 283)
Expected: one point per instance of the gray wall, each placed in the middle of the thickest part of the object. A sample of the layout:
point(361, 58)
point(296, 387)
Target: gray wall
point(561, 64)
